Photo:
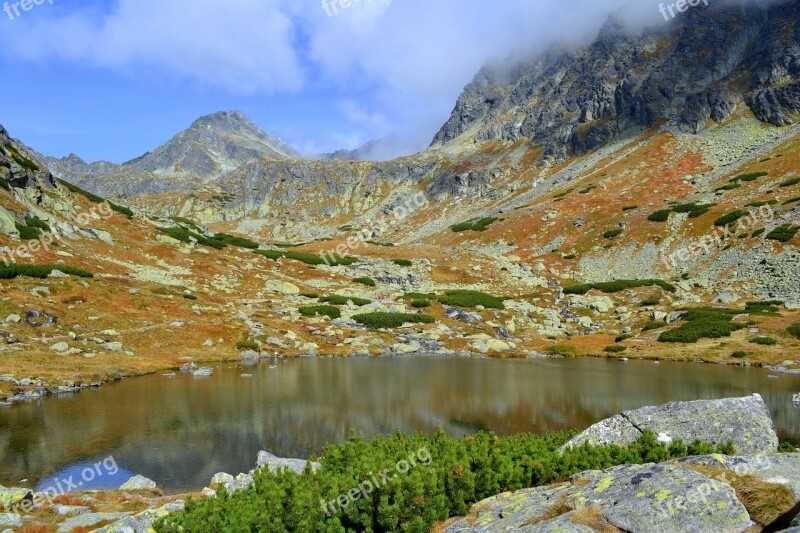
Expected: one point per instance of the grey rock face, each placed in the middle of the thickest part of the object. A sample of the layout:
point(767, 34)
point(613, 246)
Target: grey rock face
point(689, 70)
point(782, 468)
point(744, 421)
point(143, 522)
point(88, 520)
point(276, 463)
point(138, 483)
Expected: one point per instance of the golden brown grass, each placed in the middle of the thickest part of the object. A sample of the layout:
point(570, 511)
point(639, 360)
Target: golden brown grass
point(592, 517)
point(555, 511)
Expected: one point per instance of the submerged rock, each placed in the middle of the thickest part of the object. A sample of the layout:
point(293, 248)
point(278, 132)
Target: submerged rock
point(744, 421)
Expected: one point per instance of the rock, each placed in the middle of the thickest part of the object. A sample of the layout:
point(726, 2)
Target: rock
point(412, 347)
point(208, 343)
point(60, 347)
point(88, 520)
point(221, 478)
point(41, 319)
point(744, 421)
point(13, 319)
point(40, 291)
point(66, 510)
point(282, 287)
point(143, 522)
point(11, 497)
point(10, 520)
point(58, 274)
point(113, 346)
point(781, 468)
point(275, 463)
point(138, 483)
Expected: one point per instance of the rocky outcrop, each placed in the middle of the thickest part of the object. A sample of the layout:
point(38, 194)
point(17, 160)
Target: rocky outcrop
point(745, 422)
point(576, 101)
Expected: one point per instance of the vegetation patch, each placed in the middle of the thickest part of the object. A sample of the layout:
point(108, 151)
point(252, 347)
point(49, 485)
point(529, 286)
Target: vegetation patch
point(763, 341)
point(392, 320)
point(420, 304)
point(694, 210)
point(184, 235)
point(384, 244)
point(792, 200)
point(752, 176)
point(339, 299)
point(728, 187)
point(610, 234)
point(758, 233)
point(762, 203)
point(309, 259)
point(39, 271)
point(324, 310)
point(247, 345)
point(789, 183)
point(463, 298)
point(36, 223)
point(611, 287)
point(588, 189)
point(564, 350)
point(478, 224)
point(27, 233)
point(656, 324)
point(730, 218)
point(703, 322)
point(96, 199)
point(739, 354)
point(402, 262)
point(239, 242)
point(660, 216)
point(650, 302)
point(784, 233)
point(765, 308)
point(418, 296)
point(365, 281)
point(615, 348)
point(570, 257)
point(623, 338)
point(630, 208)
point(794, 329)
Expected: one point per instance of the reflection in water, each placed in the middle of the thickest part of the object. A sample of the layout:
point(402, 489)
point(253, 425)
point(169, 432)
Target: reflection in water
point(180, 432)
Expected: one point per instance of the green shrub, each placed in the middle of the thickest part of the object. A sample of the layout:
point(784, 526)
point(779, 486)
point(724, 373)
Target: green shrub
point(704, 322)
point(184, 235)
point(765, 308)
point(239, 242)
point(730, 218)
point(402, 262)
point(384, 244)
point(752, 176)
point(190, 296)
point(21, 160)
point(588, 189)
point(739, 354)
point(447, 478)
point(615, 348)
point(660, 216)
point(36, 223)
point(729, 187)
point(480, 224)
point(418, 296)
point(420, 304)
point(4, 184)
point(309, 294)
point(391, 320)
point(694, 210)
point(763, 341)
point(650, 302)
point(187, 222)
point(783, 233)
point(610, 234)
point(325, 310)
point(472, 299)
point(309, 259)
point(365, 281)
point(564, 350)
point(39, 271)
point(758, 233)
point(570, 257)
point(789, 183)
point(654, 325)
point(339, 299)
point(247, 345)
point(623, 338)
point(762, 203)
point(611, 287)
point(791, 200)
point(27, 233)
point(96, 199)
point(630, 208)
point(794, 329)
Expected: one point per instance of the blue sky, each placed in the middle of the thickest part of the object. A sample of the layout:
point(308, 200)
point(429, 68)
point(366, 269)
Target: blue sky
point(111, 79)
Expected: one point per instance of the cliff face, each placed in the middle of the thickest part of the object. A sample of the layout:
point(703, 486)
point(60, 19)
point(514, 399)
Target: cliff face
point(698, 69)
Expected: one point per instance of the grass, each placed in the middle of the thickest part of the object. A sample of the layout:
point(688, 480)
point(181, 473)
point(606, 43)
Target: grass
point(239, 242)
point(763, 341)
point(309, 259)
point(615, 348)
point(96, 199)
point(794, 329)
point(784, 233)
point(703, 322)
point(402, 262)
point(39, 271)
point(477, 224)
point(659, 324)
point(789, 183)
point(463, 298)
point(369, 282)
point(392, 320)
point(184, 235)
point(610, 234)
point(339, 299)
point(564, 350)
point(730, 218)
point(660, 216)
point(618, 286)
point(324, 310)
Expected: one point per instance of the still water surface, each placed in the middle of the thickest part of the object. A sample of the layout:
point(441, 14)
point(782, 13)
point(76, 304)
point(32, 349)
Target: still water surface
point(181, 431)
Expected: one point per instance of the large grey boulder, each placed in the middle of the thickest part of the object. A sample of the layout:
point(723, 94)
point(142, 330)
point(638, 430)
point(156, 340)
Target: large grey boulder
point(11, 497)
point(779, 468)
point(632, 498)
point(138, 483)
point(744, 421)
point(276, 463)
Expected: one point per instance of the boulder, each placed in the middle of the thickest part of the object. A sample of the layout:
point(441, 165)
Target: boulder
point(138, 483)
point(142, 522)
point(10, 520)
point(780, 468)
point(282, 287)
point(11, 497)
point(275, 463)
point(86, 521)
point(744, 421)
